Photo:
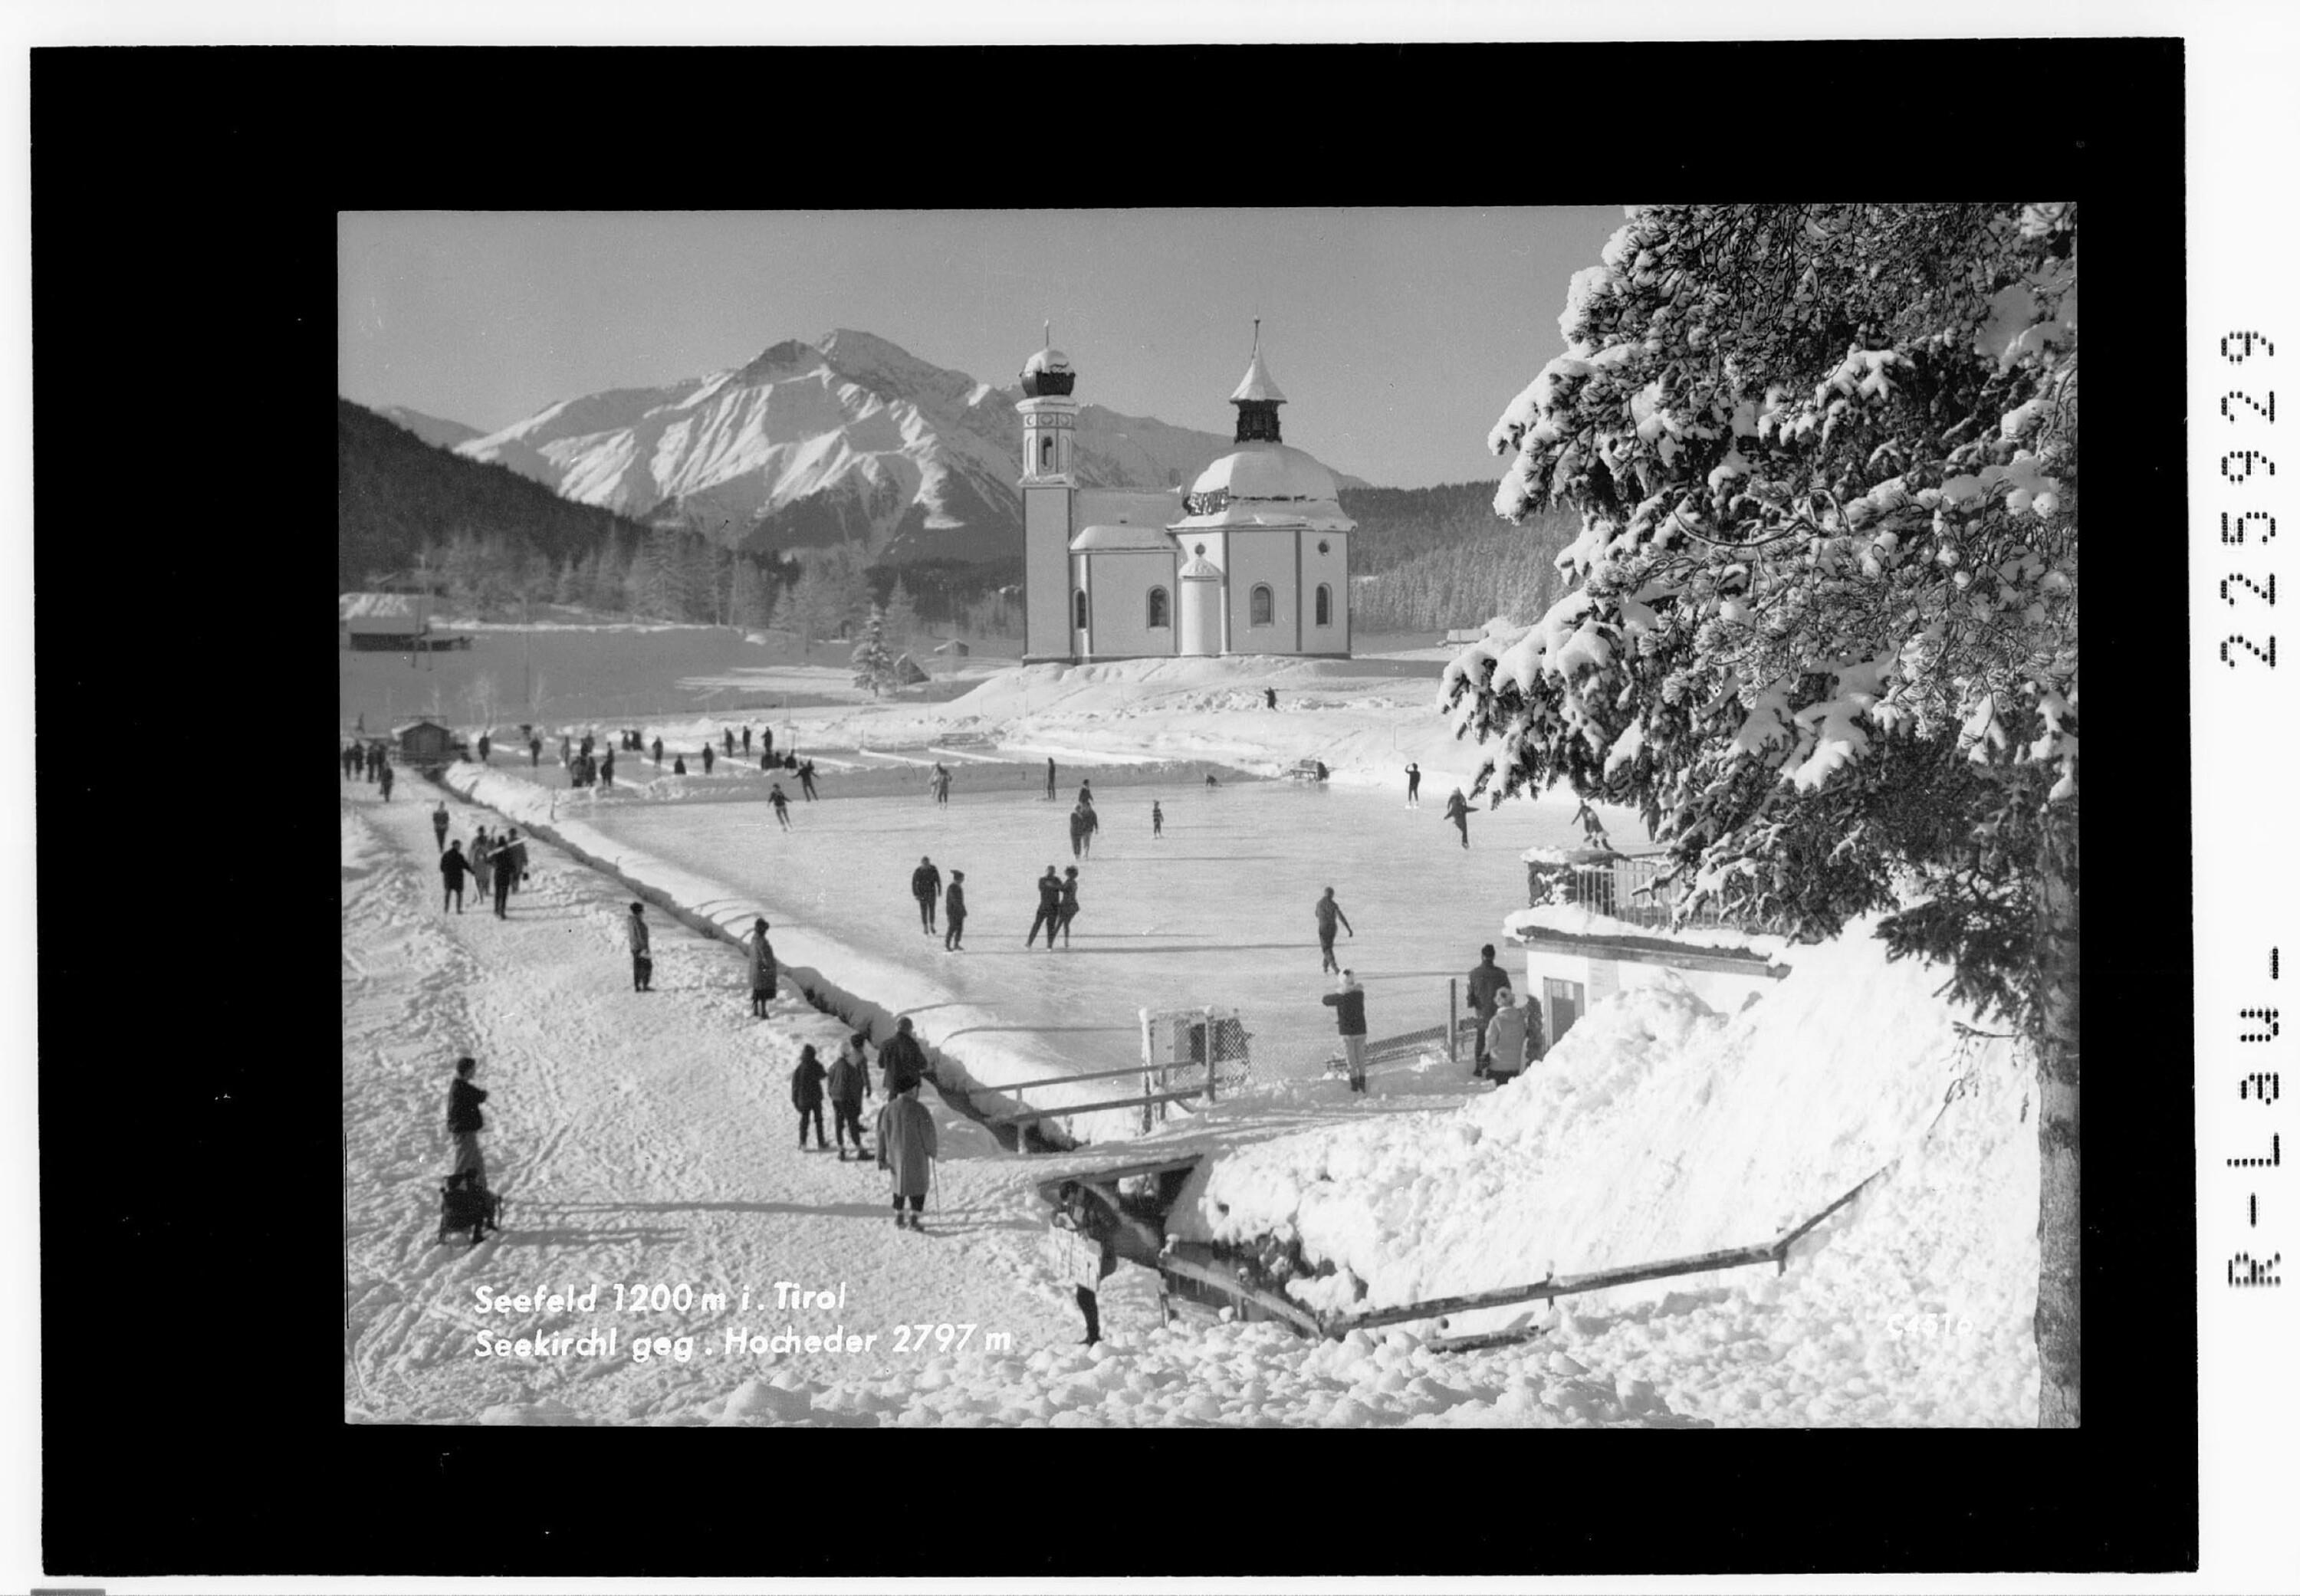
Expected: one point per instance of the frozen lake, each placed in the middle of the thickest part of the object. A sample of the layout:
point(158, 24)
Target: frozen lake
point(1217, 911)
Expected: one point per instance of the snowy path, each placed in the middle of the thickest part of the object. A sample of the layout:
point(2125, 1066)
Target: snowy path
point(640, 1139)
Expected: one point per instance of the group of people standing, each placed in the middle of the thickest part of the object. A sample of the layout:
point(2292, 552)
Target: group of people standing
point(905, 1132)
point(371, 760)
point(494, 863)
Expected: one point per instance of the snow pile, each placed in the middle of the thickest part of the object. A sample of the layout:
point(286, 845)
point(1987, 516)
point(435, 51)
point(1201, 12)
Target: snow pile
point(1658, 1129)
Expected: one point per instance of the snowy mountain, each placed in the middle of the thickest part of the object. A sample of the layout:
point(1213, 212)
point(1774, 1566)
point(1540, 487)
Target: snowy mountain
point(850, 437)
point(432, 429)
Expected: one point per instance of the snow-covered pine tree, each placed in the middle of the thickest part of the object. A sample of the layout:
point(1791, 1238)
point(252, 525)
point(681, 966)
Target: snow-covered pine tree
point(1824, 629)
point(874, 666)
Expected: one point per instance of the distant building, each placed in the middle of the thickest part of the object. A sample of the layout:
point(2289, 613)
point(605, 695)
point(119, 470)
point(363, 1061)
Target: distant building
point(427, 743)
point(1252, 560)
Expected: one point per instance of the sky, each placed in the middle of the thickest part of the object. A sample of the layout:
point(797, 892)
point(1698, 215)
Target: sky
point(1397, 335)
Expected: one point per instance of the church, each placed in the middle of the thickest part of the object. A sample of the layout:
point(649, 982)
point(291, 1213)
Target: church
point(1256, 563)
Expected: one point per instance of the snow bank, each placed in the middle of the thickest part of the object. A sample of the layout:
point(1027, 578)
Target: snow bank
point(831, 973)
point(1657, 1129)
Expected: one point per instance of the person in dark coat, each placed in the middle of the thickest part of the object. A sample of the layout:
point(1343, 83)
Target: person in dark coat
point(534, 752)
point(678, 764)
point(1080, 1246)
point(584, 747)
point(729, 738)
point(658, 753)
point(926, 887)
point(782, 804)
point(954, 912)
point(465, 1122)
point(763, 969)
point(1050, 780)
point(1413, 786)
point(607, 768)
point(766, 761)
point(1085, 793)
point(1050, 907)
point(707, 758)
point(790, 759)
point(1270, 697)
point(1068, 907)
point(746, 743)
point(634, 932)
point(452, 868)
point(767, 740)
point(1328, 912)
point(805, 776)
point(902, 1062)
point(849, 1083)
point(484, 747)
point(439, 826)
point(383, 780)
point(806, 1097)
point(1082, 825)
point(1347, 1000)
point(1157, 819)
point(1486, 984)
point(906, 1150)
point(1457, 810)
point(509, 863)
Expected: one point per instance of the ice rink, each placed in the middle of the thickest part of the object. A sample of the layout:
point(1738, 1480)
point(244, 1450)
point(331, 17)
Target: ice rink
point(1218, 911)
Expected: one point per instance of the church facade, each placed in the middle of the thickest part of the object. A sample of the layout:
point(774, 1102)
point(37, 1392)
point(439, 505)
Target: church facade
point(1254, 559)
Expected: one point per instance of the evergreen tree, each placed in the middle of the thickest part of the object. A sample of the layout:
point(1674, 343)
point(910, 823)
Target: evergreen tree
point(669, 593)
point(874, 666)
point(1824, 628)
point(640, 581)
point(901, 617)
point(569, 587)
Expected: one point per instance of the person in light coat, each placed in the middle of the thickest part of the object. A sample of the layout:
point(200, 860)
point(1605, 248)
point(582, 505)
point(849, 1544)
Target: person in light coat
point(906, 1150)
point(848, 1084)
point(1079, 1247)
point(1506, 1035)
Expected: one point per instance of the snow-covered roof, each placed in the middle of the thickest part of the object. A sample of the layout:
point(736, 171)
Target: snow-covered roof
point(1257, 383)
point(1124, 536)
point(1267, 470)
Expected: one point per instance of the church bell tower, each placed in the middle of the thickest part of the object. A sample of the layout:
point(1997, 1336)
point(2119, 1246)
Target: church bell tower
point(1049, 491)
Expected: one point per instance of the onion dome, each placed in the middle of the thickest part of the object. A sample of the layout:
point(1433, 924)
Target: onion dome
point(1048, 372)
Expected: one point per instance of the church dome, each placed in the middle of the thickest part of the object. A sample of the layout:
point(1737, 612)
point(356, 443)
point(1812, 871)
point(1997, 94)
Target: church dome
point(1048, 372)
point(1262, 470)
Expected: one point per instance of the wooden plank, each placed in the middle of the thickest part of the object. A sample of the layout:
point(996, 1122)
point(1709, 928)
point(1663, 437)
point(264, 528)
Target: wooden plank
point(1035, 1115)
point(1492, 1338)
point(1564, 1286)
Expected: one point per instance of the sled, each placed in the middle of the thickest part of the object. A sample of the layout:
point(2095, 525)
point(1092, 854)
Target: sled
point(465, 1205)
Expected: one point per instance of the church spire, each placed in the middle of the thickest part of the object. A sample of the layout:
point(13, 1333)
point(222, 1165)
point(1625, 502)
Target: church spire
point(1257, 399)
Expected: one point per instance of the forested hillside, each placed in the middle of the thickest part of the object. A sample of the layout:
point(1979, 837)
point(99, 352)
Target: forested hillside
point(1426, 559)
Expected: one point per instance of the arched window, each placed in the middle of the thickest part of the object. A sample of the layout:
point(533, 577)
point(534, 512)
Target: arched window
point(1047, 457)
point(1262, 604)
point(1158, 608)
point(1325, 605)
point(1078, 608)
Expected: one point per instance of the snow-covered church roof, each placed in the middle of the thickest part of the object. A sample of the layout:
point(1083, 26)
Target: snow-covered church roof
point(1267, 484)
point(1257, 383)
point(1123, 536)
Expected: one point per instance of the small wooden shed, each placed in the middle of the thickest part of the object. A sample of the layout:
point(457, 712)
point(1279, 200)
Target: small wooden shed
point(422, 743)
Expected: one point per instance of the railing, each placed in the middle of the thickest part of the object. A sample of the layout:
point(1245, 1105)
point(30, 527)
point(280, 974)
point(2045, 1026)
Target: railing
point(1626, 886)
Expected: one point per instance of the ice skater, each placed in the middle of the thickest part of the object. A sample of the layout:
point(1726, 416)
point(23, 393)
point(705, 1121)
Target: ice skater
point(1085, 793)
point(707, 757)
point(1347, 1000)
point(1328, 912)
point(1050, 907)
point(635, 934)
point(941, 785)
point(439, 826)
point(906, 1150)
point(452, 867)
point(805, 776)
point(1084, 824)
point(954, 912)
point(1413, 786)
point(607, 770)
point(806, 1097)
point(763, 969)
point(1069, 906)
point(1157, 820)
point(746, 743)
point(926, 887)
point(1457, 810)
point(781, 803)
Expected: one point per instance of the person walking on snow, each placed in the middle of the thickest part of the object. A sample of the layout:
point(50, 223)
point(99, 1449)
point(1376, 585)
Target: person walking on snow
point(848, 1084)
point(1457, 810)
point(482, 860)
point(383, 780)
point(806, 1097)
point(1413, 786)
point(1079, 1247)
point(763, 969)
point(926, 887)
point(534, 752)
point(452, 866)
point(902, 1062)
point(1328, 912)
point(707, 757)
point(465, 1122)
point(439, 826)
point(1068, 907)
point(511, 865)
point(1347, 1000)
point(634, 932)
point(1050, 907)
point(484, 747)
point(954, 912)
point(1486, 984)
point(1157, 820)
point(906, 1150)
point(783, 805)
